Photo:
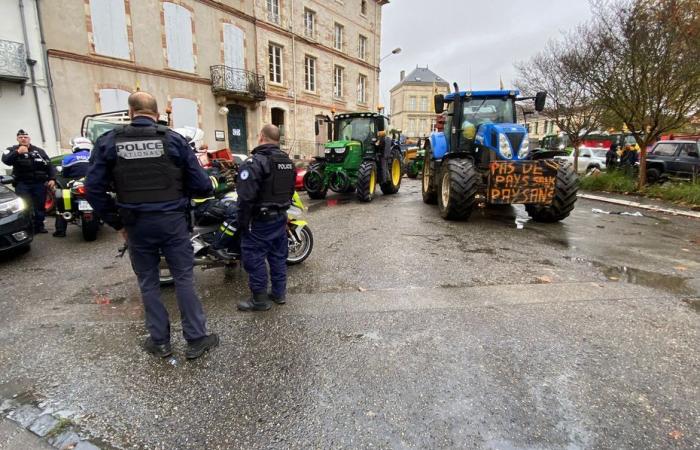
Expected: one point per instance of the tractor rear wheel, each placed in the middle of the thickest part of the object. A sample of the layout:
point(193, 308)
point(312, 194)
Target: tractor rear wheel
point(564, 198)
point(427, 188)
point(393, 184)
point(458, 187)
point(366, 181)
point(314, 182)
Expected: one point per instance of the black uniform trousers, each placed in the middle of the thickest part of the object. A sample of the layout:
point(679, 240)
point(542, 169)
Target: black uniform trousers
point(35, 194)
point(266, 242)
point(151, 235)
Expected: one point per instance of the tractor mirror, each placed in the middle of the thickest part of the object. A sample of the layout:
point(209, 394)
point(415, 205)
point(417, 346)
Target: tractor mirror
point(540, 98)
point(439, 103)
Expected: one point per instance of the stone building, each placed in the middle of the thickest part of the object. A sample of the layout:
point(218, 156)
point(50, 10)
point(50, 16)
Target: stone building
point(24, 93)
point(226, 66)
point(412, 108)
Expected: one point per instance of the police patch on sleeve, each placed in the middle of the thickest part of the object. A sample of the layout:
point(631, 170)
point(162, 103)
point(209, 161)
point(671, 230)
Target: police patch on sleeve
point(244, 175)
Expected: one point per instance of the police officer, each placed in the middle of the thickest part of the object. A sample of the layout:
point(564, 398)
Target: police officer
point(153, 172)
point(265, 190)
point(32, 170)
point(73, 167)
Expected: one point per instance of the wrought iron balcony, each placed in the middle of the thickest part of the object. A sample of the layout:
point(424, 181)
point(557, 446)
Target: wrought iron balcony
point(13, 61)
point(237, 83)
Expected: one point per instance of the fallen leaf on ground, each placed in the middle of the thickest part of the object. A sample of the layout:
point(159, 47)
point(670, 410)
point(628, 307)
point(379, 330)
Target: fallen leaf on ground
point(543, 280)
point(675, 434)
point(361, 289)
point(681, 268)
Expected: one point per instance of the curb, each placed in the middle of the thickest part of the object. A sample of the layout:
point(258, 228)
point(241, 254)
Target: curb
point(675, 212)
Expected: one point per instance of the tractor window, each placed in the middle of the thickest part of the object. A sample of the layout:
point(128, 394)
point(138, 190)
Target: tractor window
point(356, 129)
point(487, 110)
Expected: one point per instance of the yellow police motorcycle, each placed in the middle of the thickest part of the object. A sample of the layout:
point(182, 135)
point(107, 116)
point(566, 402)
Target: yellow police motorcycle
point(211, 221)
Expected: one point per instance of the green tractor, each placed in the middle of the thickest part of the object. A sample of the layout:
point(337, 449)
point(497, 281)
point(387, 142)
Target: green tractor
point(360, 157)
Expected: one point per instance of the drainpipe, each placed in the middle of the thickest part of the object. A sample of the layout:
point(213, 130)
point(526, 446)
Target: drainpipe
point(31, 62)
point(294, 75)
point(49, 82)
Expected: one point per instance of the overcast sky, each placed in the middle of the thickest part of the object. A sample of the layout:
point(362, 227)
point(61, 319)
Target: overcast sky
point(450, 36)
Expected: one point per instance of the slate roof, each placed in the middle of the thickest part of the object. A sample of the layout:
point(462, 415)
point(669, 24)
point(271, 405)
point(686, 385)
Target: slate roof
point(422, 75)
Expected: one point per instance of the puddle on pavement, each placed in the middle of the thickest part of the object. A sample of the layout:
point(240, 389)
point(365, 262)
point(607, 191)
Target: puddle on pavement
point(669, 283)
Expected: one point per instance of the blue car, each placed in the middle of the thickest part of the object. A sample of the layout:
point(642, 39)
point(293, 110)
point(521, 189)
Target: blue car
point(16, 226)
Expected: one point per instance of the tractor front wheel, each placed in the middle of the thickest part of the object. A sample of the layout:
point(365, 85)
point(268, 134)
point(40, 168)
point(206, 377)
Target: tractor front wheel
point(393, 184)
point(366, 181)
point(458, 187)
point(428, 190)
point(314, 182)
point(565, 192)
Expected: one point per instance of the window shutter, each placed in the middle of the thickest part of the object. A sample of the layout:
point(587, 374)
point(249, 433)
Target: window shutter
point(185, 113)
point(109, 28)
point(113, 100)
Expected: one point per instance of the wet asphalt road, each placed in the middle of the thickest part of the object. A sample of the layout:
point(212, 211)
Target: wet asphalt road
point(401, 331)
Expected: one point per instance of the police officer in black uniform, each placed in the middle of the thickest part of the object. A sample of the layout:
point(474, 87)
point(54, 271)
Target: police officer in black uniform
point(265, 189)
point(32, 170)
point(153, 172)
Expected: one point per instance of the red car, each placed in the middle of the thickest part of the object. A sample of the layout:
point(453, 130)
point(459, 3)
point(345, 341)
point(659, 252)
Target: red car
point(299, 181)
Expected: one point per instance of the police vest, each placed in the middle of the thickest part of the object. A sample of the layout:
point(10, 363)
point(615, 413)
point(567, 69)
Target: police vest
point(277, 189)
point(31, 167)
point(144, 171)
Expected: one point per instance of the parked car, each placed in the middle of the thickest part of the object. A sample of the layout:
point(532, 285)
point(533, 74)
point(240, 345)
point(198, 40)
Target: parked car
point(16, 222)
point(677, 159)
point(299, 180)
point(589, 158)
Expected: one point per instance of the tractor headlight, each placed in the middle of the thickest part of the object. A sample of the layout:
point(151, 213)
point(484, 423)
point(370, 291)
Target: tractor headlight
point(340, 150)
point(524, 148)
point(13, 206)
point(327, 151)
point(504, 147)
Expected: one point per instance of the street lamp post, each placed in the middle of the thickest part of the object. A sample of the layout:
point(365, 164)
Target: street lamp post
point(395, 51)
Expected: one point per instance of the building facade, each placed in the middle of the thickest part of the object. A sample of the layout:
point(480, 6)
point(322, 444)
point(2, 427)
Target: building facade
point(24, 87)
point(412, 107)
point(226, 66)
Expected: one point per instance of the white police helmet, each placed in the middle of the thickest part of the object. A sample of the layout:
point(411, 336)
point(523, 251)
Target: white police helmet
point(194, 136)
point(79, 143)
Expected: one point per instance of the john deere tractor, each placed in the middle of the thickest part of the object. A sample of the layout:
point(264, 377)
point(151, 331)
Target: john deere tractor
point(484, 156)
point(360, 157)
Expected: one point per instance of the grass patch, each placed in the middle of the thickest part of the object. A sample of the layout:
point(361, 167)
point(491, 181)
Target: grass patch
point(685, 193)
point(62, 425)
point(610, 182)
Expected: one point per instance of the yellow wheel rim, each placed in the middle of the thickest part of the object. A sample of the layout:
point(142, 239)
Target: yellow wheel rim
point(372, 181)
point(395, 172)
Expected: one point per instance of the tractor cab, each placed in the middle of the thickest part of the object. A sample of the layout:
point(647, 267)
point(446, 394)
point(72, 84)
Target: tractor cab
point(360, 127)
point(483, 125)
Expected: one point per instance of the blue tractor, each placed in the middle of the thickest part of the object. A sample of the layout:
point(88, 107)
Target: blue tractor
point(483, 156)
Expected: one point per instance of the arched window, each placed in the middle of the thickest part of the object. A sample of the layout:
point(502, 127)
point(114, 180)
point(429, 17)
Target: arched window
point(178, 37)
point(113, 100)
point(185, 113)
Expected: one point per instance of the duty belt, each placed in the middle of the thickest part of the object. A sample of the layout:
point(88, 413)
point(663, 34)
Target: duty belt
point(269, 215)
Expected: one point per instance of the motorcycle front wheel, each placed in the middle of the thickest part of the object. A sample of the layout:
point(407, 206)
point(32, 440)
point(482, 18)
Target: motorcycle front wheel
point(301, 249)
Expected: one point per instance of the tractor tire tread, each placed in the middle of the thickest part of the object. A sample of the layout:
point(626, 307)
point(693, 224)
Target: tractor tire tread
point(464, 181)
point(565, 195)
point(364, 174)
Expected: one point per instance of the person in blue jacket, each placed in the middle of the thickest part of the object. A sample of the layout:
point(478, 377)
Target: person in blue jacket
point(73, 167)
point(154, 174)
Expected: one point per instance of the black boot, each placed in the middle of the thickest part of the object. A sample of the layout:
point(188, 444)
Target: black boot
point(195, 349)
point(259, 302)
point(160, 350)
point(281, 300)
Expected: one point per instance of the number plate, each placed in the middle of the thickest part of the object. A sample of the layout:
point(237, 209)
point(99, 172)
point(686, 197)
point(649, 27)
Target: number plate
point(522, 182)
point(83, 205)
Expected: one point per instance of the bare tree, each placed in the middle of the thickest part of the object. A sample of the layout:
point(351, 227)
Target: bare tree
point(569, 102)
point(641, 61)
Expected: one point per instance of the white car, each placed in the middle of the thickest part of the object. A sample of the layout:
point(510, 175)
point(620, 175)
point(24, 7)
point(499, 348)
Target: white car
point(589, 158)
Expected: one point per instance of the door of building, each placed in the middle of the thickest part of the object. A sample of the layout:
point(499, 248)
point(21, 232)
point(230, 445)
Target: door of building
point(237, 133)
point(323, 134)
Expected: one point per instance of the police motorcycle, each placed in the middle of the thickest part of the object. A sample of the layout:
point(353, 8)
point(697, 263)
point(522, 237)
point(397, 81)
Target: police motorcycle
point(214, 216)
point(72, 205)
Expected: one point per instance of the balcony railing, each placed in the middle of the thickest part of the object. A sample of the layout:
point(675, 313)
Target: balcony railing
point(237, 83)
point(13, 61)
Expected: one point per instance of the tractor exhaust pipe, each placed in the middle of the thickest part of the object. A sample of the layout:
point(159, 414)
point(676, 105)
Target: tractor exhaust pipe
point(67, 215)
point(456, 87)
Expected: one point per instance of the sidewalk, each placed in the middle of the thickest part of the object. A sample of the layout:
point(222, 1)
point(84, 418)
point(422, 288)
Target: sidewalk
point(637, 201)
point(13, 436)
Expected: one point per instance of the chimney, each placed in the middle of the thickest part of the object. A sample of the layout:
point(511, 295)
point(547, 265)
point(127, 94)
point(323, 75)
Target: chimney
point(403, 74)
